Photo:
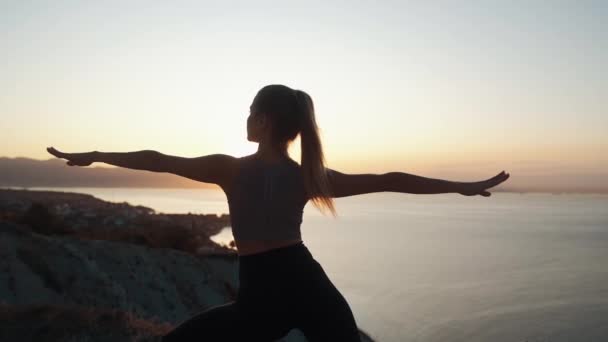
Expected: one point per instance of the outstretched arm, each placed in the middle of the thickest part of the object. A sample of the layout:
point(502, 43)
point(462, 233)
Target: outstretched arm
point(342, 185)
point(212, 168)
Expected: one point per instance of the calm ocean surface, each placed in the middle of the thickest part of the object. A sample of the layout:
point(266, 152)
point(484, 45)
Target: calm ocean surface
point(511, 267)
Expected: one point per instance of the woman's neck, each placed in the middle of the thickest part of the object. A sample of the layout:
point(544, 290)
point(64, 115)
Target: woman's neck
point(271, 153)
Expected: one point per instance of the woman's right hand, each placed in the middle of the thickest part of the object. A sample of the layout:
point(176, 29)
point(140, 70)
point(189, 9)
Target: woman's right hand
point(74, 159)
point(479, 188)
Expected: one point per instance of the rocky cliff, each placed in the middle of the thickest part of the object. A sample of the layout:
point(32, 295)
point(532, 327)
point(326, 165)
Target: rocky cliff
point(60, 287)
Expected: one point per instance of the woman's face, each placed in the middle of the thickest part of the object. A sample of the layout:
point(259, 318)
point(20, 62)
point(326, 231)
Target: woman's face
point(256, 125)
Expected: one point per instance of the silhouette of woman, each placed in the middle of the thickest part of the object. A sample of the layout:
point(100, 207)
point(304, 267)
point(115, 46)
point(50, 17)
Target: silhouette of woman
point(281, 286)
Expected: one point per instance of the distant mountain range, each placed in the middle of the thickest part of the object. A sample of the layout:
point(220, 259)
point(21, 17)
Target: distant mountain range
point(26, 172)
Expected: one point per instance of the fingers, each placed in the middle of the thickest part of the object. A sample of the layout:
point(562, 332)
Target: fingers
point(59, 154)
point(73, 159)
point(491, 182)
point(499, 178)
point(501, 175)
point(54, 152)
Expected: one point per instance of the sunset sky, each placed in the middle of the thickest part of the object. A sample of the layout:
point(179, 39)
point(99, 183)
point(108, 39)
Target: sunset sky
point(454, 91)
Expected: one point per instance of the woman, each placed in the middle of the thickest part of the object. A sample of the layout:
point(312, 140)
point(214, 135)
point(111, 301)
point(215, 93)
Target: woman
point(281, 286)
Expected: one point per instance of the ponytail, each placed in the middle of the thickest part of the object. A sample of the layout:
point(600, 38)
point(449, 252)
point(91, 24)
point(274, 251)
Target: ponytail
point(312, 158)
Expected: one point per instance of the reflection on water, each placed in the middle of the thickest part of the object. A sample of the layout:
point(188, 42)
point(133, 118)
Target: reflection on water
point(223, 237)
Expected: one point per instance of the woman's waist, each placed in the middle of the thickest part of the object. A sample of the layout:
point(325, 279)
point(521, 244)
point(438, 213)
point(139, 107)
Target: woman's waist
point(278, 258)
point(253, 247)
point(259, 235)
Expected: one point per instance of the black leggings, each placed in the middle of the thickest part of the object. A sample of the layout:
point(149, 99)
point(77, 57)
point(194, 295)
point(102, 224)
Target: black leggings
point(279, 290)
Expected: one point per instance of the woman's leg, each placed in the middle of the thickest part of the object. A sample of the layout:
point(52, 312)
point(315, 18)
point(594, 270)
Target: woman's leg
point(325, 314)
point(230, 322)
point(215, 323)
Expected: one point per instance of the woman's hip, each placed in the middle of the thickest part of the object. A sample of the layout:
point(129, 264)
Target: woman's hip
point(282, 271)
point(276, 262)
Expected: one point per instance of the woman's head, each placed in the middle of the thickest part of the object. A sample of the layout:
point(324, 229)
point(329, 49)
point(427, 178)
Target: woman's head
point(278, 114)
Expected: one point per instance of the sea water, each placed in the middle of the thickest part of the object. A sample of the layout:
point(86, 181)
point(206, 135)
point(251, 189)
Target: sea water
point(446, 267)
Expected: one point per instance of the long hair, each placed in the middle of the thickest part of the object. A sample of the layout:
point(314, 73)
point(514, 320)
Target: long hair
point(292, 112)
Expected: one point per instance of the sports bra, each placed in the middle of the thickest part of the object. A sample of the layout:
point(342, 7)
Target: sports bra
point(266, 201)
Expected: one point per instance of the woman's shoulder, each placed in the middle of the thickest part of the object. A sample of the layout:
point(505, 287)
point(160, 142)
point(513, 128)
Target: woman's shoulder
point(254, 158)
point(252, 163)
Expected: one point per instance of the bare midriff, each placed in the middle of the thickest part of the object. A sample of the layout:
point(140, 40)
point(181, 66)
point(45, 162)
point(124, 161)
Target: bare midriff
point(253, 246)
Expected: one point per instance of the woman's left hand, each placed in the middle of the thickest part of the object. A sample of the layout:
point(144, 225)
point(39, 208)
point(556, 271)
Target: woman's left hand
point(480, 188)
point(74, 159)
